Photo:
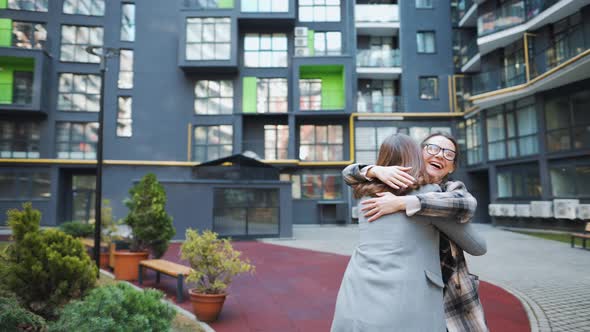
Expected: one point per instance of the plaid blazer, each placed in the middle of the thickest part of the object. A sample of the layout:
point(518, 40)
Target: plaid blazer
point(463, 310)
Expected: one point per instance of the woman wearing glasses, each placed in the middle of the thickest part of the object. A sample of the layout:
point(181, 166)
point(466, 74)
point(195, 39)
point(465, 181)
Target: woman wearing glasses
point(454, 205)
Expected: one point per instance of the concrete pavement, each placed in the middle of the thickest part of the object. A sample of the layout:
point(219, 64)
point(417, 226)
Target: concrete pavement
point(551, 279)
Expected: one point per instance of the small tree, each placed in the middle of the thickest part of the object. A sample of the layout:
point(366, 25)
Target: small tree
point(214, 261)
point(151, 226)
point(45, 268)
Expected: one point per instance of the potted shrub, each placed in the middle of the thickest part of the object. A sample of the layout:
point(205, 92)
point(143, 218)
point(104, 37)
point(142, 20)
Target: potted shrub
point(150, 225)
point(214, 262)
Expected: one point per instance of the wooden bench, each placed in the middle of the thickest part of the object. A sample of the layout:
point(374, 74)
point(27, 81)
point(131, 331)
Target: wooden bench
point(584, 236)
point(169, 268)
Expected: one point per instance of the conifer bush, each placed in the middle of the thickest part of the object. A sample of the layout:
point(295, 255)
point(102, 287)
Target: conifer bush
point(13, 317)
point(151, 226)
point(116, 308)
point(77, 229)
point(46, 268)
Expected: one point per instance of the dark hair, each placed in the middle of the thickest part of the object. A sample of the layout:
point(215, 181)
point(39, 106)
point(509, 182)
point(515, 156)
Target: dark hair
point(450, 138)
point(396, 150)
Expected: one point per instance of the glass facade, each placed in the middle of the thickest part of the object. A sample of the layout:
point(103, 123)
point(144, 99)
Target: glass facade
point(31, 5)
point(319, 10)
point(76, 140)
point(212, 142)
point(25, 185)
point(208, 38)
point(265, 50)
point(125, 69)
point(84, 7)
point(240, 212)
point(321, 143)
point(124, 120)
point(128, 22)
point(19, 139)
point(28, 35)
point(78, 92)
point(214, 97)
point(75, 39)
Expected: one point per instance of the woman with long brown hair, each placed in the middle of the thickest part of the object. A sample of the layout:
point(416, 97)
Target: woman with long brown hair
point(393, 281)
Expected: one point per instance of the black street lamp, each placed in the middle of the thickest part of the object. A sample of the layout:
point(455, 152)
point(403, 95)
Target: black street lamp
point(104, 53)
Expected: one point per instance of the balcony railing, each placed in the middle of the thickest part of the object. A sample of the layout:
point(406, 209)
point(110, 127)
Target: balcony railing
point(22, 96)
point(321, 99)
point(511, 13)
point(208, 4)
point(378, 58)
point(460, 9)
point(499, 79)
point(467, 52)
point(369, 103)
point(365, 13)
point(565, 47)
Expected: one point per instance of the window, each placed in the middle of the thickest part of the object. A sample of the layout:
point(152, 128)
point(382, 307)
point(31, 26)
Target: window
point(28, 34)
point(368, 140)
point(238, 211)
point(310, 94)
point(210, 4)
point(128, 22)
point(32, 5)
point(214, 97)
point(75, 39)
point(125, 70)
point(428, 88)
point(25, 185)
point(208, 38)
point(77, 140)
point(519, 182)
point(321, 143)
point(568, 121)
point(78, 92)
point(84, 7)
point(473, 141)
point(378, 96)
point(265, 6)
point(265, 50)
point(317, 186)
point(19, 139)
point(82, 197)
point(22, 88)
point(421, 4)
point(426, 41)
point(327, 43)
point(513, 133)
point(124, 122)
point(319, 10)
point(276, 141)
point(212, 142)
point(272, 95)
point(571, 180)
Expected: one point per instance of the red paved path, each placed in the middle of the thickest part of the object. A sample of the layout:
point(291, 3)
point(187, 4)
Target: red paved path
point(295, 290)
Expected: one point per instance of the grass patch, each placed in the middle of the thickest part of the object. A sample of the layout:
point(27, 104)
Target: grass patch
point(565, 238)
point(180, 323)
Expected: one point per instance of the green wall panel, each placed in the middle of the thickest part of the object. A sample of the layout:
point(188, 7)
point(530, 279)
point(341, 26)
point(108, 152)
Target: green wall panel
point(8, 66)
point(333, 84)
point(6, 80)
point(3, 4)
point(5, 31)
point(225, 3)
point(249, 94)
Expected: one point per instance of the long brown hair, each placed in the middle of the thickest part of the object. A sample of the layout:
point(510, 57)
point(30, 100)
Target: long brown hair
point(396, 150)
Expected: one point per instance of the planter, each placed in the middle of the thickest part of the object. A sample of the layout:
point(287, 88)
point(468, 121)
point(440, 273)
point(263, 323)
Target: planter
point(206, 306)
point(104, 260)
point(127, 264)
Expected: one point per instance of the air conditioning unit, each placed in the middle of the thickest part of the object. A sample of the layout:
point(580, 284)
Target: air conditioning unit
point(583, 211)
point(301, 51)
point(565, 208)
point(493, 210)
point(541, 209)
point(523, 210)
point(508, 210)
point(301, 32)
point(354, 212)
point(300, 41)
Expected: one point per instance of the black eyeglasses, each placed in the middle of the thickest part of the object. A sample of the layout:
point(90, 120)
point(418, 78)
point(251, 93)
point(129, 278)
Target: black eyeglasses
point(434, 149)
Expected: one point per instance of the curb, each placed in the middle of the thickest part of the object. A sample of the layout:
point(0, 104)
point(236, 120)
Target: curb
point(538, 320)
point(179, 309)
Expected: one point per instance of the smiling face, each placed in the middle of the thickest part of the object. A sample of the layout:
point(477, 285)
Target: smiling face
point(437, 166)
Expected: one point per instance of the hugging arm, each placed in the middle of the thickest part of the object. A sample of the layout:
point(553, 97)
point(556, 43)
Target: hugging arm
point(464, 235)
point(454, 203)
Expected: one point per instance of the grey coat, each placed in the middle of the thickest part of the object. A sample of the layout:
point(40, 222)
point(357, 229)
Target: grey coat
point(393, 280)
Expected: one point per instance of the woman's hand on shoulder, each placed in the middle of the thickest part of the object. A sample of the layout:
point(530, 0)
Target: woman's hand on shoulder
point(394, 176)
point(386, 203)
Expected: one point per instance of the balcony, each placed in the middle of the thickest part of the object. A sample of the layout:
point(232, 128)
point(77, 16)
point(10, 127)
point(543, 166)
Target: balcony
point(502, 26)
point(378, 64)
point(469, 58)
point(377, 19)
point(464, 13)
point(564, 61)
point(21, 82)
point(370, 103)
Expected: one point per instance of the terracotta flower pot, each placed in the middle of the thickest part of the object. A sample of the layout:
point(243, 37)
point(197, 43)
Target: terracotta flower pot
point(104, 260)
point(206, 306)
point(127, 264)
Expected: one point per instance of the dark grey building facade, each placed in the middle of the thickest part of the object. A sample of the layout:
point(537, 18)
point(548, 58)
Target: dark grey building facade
point(307, 86)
